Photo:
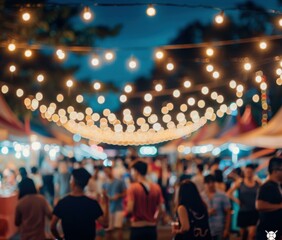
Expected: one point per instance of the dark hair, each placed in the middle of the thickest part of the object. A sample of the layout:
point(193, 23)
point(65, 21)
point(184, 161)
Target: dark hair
point(218, 176)
point(209, 178)
point(34, 170)
point(23, 172)
point(26, 187)
point(81, 177)
point(140, 167)
point(190, 197)
point(274, 164)
point(200, 167)
point(251, 166)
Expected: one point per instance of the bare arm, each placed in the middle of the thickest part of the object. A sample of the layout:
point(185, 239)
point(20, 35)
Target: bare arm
point(104, 219)
point(184, 219)
point(264, 206)
point(54, 229)
point(232, 190)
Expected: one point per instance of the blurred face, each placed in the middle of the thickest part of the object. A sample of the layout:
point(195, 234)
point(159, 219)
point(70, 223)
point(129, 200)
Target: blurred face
point(248, 172)
point(210, 186)
point(279, 174)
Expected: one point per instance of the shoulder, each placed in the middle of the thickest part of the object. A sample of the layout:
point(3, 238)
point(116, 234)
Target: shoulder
point(268, 185)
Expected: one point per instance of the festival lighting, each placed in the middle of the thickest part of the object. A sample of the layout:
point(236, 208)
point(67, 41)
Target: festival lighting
point(148, 97)
point(12, 68)
point(123, 98)
point(26, 16)
point(159, 54)
point(209, 52)
point(11, 47)
point(151, 11)
point(28, 53)
point(69, 83)
point(128, 88)
point(40, 77)
point(219, 18)
point(87, 15)
point(97, 86)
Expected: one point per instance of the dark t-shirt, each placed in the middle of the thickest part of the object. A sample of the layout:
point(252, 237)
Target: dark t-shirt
point(270, 221)
point(78, 215)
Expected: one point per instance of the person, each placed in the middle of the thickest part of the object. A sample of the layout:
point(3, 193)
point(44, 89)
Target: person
point(198, 179)
point(219, 209)
point(144, 204)
point(62, 180)
point(192, 214)
point(77, 212)
point(269, 202)
point(36, 177)
point(115, 191)
point(31, 211)
point(219, 184)
point(247, 192)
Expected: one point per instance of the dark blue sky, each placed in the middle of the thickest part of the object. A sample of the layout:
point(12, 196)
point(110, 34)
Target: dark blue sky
point(140, 30)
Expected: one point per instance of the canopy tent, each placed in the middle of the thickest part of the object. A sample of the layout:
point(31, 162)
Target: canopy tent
point(269, 136)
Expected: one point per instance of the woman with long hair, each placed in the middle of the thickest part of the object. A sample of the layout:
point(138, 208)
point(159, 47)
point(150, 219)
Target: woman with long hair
point(192, 214)
point(31, 211)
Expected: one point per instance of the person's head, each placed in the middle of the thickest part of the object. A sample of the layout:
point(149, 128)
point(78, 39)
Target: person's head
point(249, 171)
point(275, 168)
point(214, 166)
point(189, 196)
point(200, 168)
point(26, 187)
point(139, 169)
point(63, 167)
point(80, 178)
point(34, 170)
point(218, 176)
point(108, 171)
point(23, 172)
point(209, 181)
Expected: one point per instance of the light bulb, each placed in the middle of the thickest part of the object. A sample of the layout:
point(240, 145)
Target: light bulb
point(159, 54)
point(4, 89)
point(20, 92)
point(151, 11)
point(40, 78)
point(69, 83)
point(61, 54)
point(176, 93)
point(60, 98)
point(215, 74)
point(219, 18)
point(95, 61)
point(28, 53)
point(109, 56)
point(11, 47)
point(128, 88)
point(158, 87)
point(101, 99)
point(247, 66)
point(87, 14)
point(210, 52)
point(123, 98)
point(209, 68)
point(26, 16)
point(148, 97)
point(132, 64)
point(263, 45)
point(97, 85)
point(170, 66)
point(12, 68)
point(280, 22)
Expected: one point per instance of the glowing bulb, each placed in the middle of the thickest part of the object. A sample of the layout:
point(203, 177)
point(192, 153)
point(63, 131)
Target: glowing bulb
point(263, 45)
point(232, 84)
point(4, 89)
point(209, 68)
point(60, 98)
point(255, 98)
point(187, 84)
point(11, 47)
point(28, 53)
point(151, 11)
point(95, 61)
point(219, 18)
point(205, 90)
point(263, 86)
point(159, 54)
point(280, 22)
point(109, 56)
point(26, 16)
point(176, 93)
point(20, 92)
point(12, 68)
point(258, 79)
point(97, 85)
point(183, 107)
point(128, 88)
point(240, 88)
point(39, 96)
point(101, 99)
point(170, 66)
point(60, 54)
point(148, 97)
point(215, 74)
point(210, 52)
point(123, 98)
point(247, 66)
point(191, 101)
point(158, 87)
point(40, 78)
point(147, 110)
point(278, 71)
point(132, 64)
point(69, 83)
point(79, 98)
point(87, 14)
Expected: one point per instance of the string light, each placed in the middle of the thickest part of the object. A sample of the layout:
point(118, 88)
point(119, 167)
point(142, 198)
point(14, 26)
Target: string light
point(205, 90)
point(11, 47)
point(158, 87)
point(128, 88)
point(151, 11)
point(159, 54)
point(258, 79)
point(209, 52)
point(101, 99)
point(278, 71)
point(247, 66)
point(123, 98)
point(60, 97)
point(263, 45)
point(170, 66)
point(263, 86)
point(187, 84)
point(280, 22)
point(40, 78)
point(26, 16)
point(39, 96)
point(232, 84)
point(176, 93)
point(95, 61)
point(148, 97)
point(28, 53)
point(12, 68)
point(61, 55)
point(4, 89)
point(279, 81)
point(219, 18)
point(87, 14)
point(255, 98)
point(97, 86)
point(79, 98)
point(132, 64)
point(109, 56)
point(191, 101)
point(69, 83)
point(19, 92)
point(209, 68)
point(215, 74)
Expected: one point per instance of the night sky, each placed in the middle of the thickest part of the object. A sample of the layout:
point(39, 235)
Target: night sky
point(140, 30)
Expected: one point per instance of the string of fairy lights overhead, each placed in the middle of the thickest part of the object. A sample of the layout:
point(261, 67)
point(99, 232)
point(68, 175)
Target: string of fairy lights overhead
point(152, 127)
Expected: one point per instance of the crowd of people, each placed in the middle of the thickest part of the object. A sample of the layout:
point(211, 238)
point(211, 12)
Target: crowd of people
point(94, 200)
